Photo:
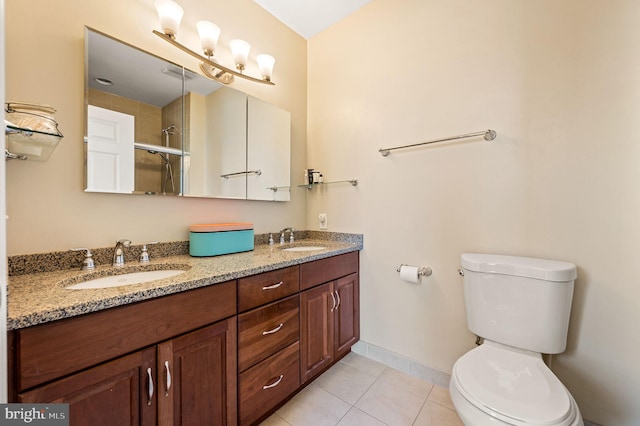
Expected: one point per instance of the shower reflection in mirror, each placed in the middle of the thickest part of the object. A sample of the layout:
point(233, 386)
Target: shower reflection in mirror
point(134, 135)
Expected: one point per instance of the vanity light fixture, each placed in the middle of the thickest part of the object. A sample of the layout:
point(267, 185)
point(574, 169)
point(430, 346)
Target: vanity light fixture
point(170, 14)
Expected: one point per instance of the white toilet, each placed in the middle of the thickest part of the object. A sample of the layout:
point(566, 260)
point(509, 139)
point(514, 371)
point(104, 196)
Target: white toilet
point(520, 306)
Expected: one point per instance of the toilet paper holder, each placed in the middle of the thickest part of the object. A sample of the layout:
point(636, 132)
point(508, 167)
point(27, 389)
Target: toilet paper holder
point(423, 271)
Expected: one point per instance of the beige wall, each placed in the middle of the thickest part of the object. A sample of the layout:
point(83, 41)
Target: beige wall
point(47, 207)
point(560, 82)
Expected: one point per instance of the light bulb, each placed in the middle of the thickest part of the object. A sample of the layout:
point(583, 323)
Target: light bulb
point(265, 64)
point(240, 51)
point(209, 34)
point(170, 14)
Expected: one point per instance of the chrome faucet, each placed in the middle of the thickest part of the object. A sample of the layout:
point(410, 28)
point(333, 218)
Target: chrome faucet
point(291, 239)
point(118, 252)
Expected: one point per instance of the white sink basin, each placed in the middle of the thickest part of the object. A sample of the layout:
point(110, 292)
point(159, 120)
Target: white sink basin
point(304, 248)
point(125, 279)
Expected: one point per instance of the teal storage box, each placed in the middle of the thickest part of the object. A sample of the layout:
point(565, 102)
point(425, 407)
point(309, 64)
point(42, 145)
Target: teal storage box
point(216, 239)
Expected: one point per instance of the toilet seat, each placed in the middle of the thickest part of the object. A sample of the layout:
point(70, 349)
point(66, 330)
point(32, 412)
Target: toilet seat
point(513, 386)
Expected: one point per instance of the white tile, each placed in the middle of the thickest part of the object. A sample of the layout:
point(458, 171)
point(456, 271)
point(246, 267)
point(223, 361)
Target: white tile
point(363, 363)
point(391, 377)
point(429, 374)
point(402, 363)
point(381, 396)
point(433, 414)
point(442, 397)
point(314, 407)
point(356, 417)
point(274, 420)
point(346, 382)
point(391, 404)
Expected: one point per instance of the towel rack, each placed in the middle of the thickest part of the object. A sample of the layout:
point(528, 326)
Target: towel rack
point(488, 134)
point(248, 172)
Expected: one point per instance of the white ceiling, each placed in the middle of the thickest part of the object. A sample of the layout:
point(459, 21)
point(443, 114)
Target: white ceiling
point(309, 17)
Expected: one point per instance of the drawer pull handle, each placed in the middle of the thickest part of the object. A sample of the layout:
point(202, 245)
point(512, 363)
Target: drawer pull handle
point(275, 330)
point(168, 383)
point(333, 297)
point(271, 287)
point(338, 297)
point(150, 386)
point(274, 384)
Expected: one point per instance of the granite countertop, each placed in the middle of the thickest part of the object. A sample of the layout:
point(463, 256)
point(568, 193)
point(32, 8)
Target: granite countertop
point(39, 298)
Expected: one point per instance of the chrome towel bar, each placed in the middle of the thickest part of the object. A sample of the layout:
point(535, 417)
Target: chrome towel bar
point(488, 134)
point(248, 172)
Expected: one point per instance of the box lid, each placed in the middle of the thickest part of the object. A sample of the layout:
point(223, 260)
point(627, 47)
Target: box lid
point(219, 227)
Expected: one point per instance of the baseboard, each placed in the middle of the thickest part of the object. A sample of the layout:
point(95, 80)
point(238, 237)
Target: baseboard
point(402, 363)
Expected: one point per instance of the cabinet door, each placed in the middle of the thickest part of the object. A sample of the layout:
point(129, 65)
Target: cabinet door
point(316, 330)
point(117, 393)
point(197, 375)
point(347, 314)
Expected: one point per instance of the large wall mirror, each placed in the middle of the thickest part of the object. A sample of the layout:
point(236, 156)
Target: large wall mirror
point(156, 128)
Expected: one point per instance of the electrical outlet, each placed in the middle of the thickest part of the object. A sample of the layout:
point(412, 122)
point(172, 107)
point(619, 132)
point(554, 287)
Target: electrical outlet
point(322, 218)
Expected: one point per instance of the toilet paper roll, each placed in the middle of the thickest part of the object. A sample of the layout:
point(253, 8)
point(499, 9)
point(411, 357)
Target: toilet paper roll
point(410, 274)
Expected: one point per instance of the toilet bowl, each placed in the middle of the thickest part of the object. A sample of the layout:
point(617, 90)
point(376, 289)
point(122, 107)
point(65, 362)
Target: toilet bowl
point(498, 385)
point(521, 307)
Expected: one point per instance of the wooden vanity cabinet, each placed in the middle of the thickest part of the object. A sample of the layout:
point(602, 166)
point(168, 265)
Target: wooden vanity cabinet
point(167, 361)
point(285, 341)
point(184, 381)
point(268, 341)
point(226, 354)
point(329, 312)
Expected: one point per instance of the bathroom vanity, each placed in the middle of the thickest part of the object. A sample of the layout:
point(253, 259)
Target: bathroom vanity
point(226, 352)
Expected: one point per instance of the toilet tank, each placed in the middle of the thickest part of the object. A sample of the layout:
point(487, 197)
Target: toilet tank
point(518, 301)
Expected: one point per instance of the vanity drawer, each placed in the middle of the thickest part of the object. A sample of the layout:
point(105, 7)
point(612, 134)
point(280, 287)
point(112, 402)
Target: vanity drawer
point(266, 384)
point(267, 287)
point(325, 270)
point(264, 331)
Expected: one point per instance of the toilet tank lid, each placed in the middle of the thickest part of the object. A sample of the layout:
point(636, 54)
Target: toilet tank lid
point(549, 270)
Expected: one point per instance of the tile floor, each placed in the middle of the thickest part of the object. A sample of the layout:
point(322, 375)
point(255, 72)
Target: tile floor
point(358, 391)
